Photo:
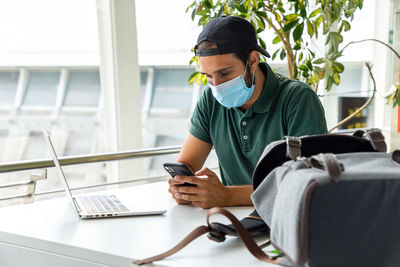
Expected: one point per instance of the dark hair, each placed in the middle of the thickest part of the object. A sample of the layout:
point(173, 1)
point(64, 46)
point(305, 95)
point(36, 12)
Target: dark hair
point(243, 55)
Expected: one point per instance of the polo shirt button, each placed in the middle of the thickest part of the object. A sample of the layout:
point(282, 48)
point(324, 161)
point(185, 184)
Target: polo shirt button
point(244, 123)
point(245, 137)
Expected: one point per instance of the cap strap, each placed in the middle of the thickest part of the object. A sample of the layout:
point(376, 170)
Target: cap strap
point(207, 52)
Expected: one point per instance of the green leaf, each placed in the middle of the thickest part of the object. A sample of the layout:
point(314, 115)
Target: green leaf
point(318, 21)
point(309, 65)
point(298, 31)
point(193, 77)
point(297, 46)
point(318, 70)
point(259, 13)
point(262, 43)
point(337, 37)
point(193, 59)
point(346, 25)
point(310, 28)
point(314, 13)
point(193, 13)
point(191, 5)
point(300, 56)
point(290, 25)
point(276, 40)
point(278, 17)
point(339, 67)
point(291, 17)
point(242, 9)
point(303, 67)
point(336, 78)
point(275, 53)
point(319, 61)
point(303, 12)
point(283, 54)
point(329, 84)
point(328, 39)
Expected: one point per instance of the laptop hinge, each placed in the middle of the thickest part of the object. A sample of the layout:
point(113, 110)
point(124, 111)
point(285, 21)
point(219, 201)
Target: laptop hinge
point(77, 205)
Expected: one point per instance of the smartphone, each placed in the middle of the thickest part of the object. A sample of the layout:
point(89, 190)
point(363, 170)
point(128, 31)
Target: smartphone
point(179, 169)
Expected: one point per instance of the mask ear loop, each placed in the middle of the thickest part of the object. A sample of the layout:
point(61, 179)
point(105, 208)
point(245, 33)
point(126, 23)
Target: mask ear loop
point(254, 73)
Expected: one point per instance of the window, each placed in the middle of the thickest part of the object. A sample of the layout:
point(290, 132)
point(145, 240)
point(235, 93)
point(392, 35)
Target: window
point(79, 143)
point(143, 84)
point(83, 89)
point(171, 89)
point(163, 140)
point(41, 88)
point(8, 86)
point(35, 146)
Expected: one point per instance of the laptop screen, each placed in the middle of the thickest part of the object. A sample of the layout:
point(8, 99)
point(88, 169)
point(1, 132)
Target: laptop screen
point(58, 167)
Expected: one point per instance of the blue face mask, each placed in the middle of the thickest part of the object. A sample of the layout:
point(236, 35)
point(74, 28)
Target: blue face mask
point(233, 93)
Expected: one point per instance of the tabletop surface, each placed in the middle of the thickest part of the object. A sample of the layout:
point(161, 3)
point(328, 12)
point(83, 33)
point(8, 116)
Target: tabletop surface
point(52, 225)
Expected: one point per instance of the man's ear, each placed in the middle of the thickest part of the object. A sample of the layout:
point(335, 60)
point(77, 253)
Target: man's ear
point(254, 59)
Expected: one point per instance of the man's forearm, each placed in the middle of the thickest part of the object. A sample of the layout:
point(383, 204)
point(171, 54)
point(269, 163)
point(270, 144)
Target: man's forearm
point(239, 195)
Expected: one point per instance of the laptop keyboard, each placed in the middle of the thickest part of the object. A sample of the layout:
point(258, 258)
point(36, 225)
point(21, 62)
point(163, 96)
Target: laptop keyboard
point(102, 204)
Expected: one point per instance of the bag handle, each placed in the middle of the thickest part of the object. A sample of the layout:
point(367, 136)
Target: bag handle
point(375, 137)
point(396, 157)
point(242, 232)
point(328, 162)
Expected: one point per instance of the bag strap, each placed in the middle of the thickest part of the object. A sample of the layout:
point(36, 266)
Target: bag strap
point(375, 137)
point(293, 147)
point(328, 162)
point(249, 242)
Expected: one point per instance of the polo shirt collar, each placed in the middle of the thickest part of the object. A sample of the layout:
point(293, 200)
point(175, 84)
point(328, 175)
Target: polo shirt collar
point(271, 88)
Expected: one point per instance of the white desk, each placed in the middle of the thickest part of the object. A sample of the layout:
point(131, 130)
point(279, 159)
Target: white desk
point(48, 233)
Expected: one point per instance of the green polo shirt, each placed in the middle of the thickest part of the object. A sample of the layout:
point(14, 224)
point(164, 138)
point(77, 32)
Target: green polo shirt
point(285, 107)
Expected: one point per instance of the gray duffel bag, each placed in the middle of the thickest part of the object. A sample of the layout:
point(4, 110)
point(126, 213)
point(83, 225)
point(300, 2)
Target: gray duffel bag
point(334, 210)
point(324, 210)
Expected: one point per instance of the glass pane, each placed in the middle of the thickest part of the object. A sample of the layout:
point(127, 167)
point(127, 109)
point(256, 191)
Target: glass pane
point(8, 86)
point(143, 84)
point(35, 146)
point(171, 89)
point(350, 80)
point(42, 88)
point(83, 89)
point(3, 140)
point(163, 140)
point(79, 143)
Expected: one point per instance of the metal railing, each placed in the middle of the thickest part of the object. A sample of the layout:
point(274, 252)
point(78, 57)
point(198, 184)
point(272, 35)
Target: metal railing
point(72, 160)
point(83, 159)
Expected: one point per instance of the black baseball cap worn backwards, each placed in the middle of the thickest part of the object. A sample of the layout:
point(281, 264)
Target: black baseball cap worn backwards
point(231, 34)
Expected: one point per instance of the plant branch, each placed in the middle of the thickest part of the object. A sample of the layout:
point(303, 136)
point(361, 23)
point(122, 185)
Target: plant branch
point(285, 40)
point(374, 40)
point(363, 106)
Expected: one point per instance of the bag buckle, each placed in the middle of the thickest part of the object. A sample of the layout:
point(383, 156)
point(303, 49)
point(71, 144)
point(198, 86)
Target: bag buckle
point(305, 160)
point(216, 236)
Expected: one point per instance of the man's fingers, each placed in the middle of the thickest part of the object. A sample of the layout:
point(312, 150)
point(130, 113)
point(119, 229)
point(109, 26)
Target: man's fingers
point(187, 197)
point(205, 171)
point(172, 181)
point(189, 179)
point(185, 189)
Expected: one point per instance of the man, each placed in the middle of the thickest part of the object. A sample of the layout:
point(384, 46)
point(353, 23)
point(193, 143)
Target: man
point(244, 108)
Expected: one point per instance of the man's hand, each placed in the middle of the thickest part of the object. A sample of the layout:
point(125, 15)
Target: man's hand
point(208, 193)
point(173, 183)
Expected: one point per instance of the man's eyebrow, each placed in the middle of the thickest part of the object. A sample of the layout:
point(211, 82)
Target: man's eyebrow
point(220, 70)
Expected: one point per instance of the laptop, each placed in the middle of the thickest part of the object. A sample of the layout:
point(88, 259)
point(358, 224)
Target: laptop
point(105, 205)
